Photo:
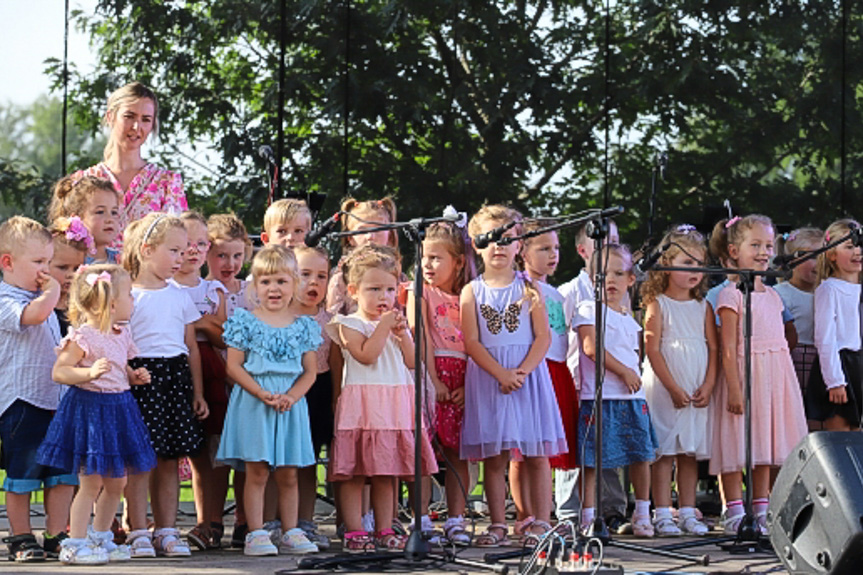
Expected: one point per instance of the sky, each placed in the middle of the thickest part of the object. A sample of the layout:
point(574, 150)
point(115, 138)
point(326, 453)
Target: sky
point(30, 32)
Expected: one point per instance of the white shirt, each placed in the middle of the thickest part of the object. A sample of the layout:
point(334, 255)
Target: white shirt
point(621, 341)
point(837, 326)
point(205, 296)
point(159, 320)
point(801, 304)
point(558, 326)
point(575, 291)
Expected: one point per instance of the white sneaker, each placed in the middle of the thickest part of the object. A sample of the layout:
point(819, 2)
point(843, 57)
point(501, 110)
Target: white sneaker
point(731, 524)
point(105, 540)
point(140, 542)
point(665, 527)
point(692, 526)
point(295, 542)
point(258, 543)
point(82, 552)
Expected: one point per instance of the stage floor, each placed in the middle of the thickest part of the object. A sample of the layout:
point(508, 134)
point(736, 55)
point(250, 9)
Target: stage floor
point(232, 561)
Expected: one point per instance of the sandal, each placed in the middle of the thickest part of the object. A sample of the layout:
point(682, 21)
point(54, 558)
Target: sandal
point(490, 538)
point(217, 531)
point(24, 549)
point(357, 542)
point(521, 528)
point(532, 538)
point(455, 533)
point(389, 540)
point(200, 536)
point(140, 542)
point(167, 542)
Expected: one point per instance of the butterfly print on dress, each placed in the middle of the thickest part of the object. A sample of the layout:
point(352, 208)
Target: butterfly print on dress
point(495, 320)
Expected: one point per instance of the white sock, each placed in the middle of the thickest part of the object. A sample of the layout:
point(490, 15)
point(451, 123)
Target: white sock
point(759, 506)
point(687, 512)
point(588, 514)
point(642, 508)
point(662, 513)
point(734, 508)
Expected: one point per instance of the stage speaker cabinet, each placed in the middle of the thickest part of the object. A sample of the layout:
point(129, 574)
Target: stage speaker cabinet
point(815, 514)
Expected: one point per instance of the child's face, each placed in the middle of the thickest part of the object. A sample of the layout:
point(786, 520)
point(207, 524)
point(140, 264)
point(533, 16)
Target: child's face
point(495, 256)
point(225, 259)
point(375, 293)
point(199, 245)
point(63, 265)
point(102, 217)
point(585, 247)
point(753, 253)
point(439, 265)
point(618, 279)
point(379, 238)
point(685, 281)
point(123, 303)
point(275, 291)
point(165, 259)
point(133, 123)
point(846, 256)
point(290, 233)
point(28, 265)
point(314, 274)
point(542, 255)
point(807, 272)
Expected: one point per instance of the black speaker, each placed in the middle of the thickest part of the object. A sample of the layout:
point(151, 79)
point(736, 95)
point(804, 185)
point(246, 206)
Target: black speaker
point(815, 515)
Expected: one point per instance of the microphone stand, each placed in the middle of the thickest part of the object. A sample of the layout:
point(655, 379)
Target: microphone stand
point(417, 547)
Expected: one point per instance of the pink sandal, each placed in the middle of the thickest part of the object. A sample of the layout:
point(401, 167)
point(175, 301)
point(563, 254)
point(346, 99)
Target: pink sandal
point(490, 538)
point(357, 542)
point(389, 540)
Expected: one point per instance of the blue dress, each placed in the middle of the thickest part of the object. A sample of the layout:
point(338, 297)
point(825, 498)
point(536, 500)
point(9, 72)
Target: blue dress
point(253, 430)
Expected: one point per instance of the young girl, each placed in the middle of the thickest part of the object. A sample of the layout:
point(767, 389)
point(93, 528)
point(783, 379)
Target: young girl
point(680, 341)
point(627, 433)
point(209, 482)
point(97, 204)
point(835, 392)
point(271, 357)
point(314, 270)
point(163, 326)
point(72, 240)
point(448, 265)
point(98, 430)
point(539, 256)
point(374, 414)
point(230, 247)
point(510, 409)
point(798, 296)
point(778, 422)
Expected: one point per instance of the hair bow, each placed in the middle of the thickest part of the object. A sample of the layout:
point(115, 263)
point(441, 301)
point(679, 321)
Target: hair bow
point(685, 229)
point(91, 279)
point(732, 221)
point(78, 232)
point(458, 218)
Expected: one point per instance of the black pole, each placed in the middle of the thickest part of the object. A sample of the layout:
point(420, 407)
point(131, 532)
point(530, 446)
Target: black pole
point(843, 152)
point(65, 89)
point(346, 73)
point(280, 144)
point(607, 102)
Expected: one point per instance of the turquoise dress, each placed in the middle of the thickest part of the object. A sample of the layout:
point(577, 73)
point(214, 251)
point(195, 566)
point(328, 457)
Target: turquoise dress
point(253, 430)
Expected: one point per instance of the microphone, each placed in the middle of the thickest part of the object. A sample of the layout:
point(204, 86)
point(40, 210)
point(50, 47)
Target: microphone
point(492, 236)
point(266, 152)
point(663, 165)
point(646, 262)
point(781, 262)
point(314, 237)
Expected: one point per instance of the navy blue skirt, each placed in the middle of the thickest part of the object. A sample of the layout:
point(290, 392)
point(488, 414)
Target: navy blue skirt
point(96, 433)
point(627, 434)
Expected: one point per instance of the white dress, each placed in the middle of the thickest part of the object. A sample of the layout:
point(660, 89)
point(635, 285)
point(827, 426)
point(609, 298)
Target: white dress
point(684, 346)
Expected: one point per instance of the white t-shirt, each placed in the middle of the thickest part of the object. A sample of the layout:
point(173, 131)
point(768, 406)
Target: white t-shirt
point(159, 320)
point(837, 326)
point(575, 291)
point(205, 296)
point(621, 341)
point(557, 324)
point(801, 304)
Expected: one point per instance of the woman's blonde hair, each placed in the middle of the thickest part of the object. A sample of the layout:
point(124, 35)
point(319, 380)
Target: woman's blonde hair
point(229, 228)
point(370, 210)
point(125, 95)
point(92, 294)
point(370, 256)
point(71, 196)
point(835, 231)
point(151, 230)
point(681, 239)
point(459, 246)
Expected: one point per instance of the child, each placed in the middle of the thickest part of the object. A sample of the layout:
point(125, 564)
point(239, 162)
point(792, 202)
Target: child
point(28, 296)
point(164, 332)
point(448, 265)
point(834, 395)
point(628, 437)
point(778, 422)
point(271, 357)
point(510, 409)
point(539, 256)
point(230, 247)
point(97, 203)
point(314, 269)
point(98, 431)
point(209, 482)
point(286, 222)
point(71, 243)
point(374, 418)
point(680, 341)
point(798, 297)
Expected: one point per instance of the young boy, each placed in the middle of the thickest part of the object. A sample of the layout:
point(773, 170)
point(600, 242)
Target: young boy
point(286, 222)
point(29, 331)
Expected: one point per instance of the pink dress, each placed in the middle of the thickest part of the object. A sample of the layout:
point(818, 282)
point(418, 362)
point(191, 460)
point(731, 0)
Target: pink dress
point(778, 420)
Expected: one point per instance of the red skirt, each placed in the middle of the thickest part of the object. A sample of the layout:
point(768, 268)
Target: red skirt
point(448, 418)
point(567, 401)
point(215, 387)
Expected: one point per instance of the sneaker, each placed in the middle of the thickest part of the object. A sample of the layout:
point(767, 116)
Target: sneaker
point(274, 528)
point(238, 538)
point(167, 542)
point(761, 521)
point(51, 544)
point(140, 543)
point(665, 527)
point(295, 542)
point(105, 540)
point(82, 552)
point(692, 526)
point(258, 543)
point(642, 527)
point(730, 525)
point(315, 536)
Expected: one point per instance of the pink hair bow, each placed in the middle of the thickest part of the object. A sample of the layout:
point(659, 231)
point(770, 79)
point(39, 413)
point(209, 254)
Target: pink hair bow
point(78, 232)
point(732, 221)
point(91, 279)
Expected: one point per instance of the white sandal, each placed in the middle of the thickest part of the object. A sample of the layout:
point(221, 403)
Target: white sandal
point(167, 542)
point(140, 542)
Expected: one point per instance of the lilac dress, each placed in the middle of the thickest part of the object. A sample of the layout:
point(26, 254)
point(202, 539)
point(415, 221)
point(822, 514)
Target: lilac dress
point(527, 420)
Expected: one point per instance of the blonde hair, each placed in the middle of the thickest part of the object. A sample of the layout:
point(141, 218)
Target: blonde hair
point(17, 230)
point(194, 216)
point(680, 238)
point(317, 250)
point(283, 211)
point(94, 299)
point(619, 250)
point(71, 196)
point(459, 246)
point(835, 231)
point(370, 256)
point(151, 230)
point(125, 95)
point(274, 259)
point(58, 230)
point(801, 239)
point(732, 232)
point(229, 228)
point(371, 208)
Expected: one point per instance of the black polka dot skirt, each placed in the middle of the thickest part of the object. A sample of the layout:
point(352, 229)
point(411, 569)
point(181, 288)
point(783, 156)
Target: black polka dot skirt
point(166, 406)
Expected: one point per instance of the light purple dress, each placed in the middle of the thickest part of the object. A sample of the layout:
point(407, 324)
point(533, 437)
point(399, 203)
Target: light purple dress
point(526, 421)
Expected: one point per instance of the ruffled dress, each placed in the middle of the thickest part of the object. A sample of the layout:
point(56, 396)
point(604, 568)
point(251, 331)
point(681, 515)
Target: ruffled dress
point(253, 430)
point(374, 433)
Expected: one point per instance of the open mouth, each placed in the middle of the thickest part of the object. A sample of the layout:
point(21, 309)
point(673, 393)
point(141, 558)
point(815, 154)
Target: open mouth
point(312, 293)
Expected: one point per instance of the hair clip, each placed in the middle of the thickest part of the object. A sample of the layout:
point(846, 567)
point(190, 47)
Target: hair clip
point(91, 279)
point(457, 218)
point(78, 232)
point(826, 238)
point(685, 229)
point(732, 221)
point(152, 227)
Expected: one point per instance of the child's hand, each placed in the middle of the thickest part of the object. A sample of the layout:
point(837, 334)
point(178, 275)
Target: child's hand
point(389, 319)
point(735, 399)
point(99, 368)
point(701, 397)
point(441, 392)
point(288, 401)
point(140, 376)
point(838, 394)
point(512, 380)
point(457, 396)
point(47, 283)
point(400, 326)
point(199, 406)
point(632, 381)
point(679, 397)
